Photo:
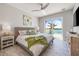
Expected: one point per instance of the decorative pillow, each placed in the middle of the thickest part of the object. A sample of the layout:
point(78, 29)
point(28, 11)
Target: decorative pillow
point(27, 32)
point(23, 32)
point(32, 32)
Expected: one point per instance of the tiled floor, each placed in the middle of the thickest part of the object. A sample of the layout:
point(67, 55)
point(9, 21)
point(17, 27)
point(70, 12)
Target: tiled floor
point(58, 48)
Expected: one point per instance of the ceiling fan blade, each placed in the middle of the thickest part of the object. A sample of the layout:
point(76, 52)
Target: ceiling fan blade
point(45, 6)
point(35, 10)
point(42, 7)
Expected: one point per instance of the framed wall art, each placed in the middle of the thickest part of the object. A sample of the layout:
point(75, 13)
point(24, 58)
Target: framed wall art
point(27, 20)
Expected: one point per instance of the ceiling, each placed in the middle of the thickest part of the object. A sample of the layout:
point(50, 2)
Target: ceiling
point(51, 9)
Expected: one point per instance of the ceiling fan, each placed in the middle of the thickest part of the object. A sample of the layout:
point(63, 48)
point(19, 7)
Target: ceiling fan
point(43, 7)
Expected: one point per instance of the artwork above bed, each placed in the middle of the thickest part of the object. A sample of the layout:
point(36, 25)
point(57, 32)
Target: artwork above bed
point(27, 20)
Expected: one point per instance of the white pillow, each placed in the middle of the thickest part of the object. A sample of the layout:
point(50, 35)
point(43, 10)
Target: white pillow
point(22, 32)
point(32, 32)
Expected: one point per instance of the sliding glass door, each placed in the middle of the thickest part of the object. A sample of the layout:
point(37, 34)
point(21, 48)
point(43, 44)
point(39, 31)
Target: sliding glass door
point(54, 26)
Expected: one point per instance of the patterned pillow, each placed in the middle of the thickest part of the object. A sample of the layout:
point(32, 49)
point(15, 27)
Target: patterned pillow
point(23, 32)
point(32, 32)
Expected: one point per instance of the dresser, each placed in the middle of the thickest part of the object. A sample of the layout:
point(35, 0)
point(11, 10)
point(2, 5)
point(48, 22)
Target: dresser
point(74, 39)
point(6, 41)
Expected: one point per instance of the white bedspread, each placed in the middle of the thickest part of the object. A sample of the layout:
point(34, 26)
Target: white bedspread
point(36, 49)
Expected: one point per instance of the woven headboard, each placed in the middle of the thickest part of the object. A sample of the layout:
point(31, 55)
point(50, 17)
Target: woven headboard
point(17, 29)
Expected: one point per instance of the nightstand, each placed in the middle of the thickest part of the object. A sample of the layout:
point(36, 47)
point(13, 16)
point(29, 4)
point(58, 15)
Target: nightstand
point(6, 41)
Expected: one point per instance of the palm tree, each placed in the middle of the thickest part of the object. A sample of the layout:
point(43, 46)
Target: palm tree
point(51, 27)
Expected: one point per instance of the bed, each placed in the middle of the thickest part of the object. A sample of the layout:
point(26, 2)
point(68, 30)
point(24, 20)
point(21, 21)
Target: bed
point(38, 42)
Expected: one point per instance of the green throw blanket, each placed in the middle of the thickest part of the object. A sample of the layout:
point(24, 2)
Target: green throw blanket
point(36, 40)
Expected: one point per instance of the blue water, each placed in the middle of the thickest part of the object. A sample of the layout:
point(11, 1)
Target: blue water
point(56, 31)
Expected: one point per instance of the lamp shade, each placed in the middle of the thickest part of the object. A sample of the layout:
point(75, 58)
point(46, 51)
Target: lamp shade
point(6, 27)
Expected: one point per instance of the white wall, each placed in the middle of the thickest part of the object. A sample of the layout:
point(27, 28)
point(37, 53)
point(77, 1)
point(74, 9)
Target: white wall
point(67, 20)
point(14, 16)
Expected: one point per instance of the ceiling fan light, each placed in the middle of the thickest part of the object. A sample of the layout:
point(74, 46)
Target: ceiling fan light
point(43, 11)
